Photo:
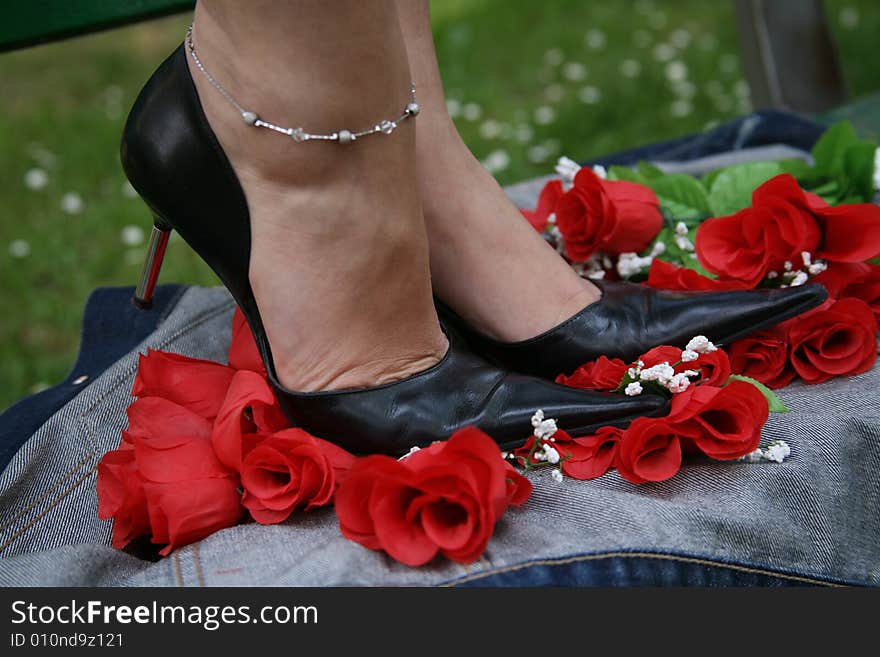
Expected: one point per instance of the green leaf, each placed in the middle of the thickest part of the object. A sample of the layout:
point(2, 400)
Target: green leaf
point(616, 172)
point(649, 171)
point(775, 403)
point(829, 152)
point(732, 188)
point(798, 168)
point(858, 171)
point(691, 262)
point(683, 192)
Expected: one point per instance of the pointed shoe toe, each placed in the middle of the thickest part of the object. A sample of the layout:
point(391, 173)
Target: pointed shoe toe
point(630, 319)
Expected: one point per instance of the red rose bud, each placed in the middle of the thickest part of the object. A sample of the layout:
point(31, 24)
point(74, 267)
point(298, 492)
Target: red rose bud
point(724, 423)
point(601, 374)
point(250, 411)
point(611, 216)
point(764, 357)
point(837, 339)
point(121, 496)
point(650, 450)
point(589, 457)
point(445, 499)
point(291, 470)
point(199, 385)
point(547, 201)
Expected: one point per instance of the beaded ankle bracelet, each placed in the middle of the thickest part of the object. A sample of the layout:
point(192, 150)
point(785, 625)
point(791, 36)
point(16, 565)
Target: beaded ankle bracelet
point(343, 136)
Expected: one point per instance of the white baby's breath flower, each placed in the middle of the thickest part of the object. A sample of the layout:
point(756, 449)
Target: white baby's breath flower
point(629, 264)
point(551, 454)
point(807, 258)
point(633, 389)
point(567, 168)
point(556, 474)
point(787, 265)
point(799, 279)
point(687, 356)
point(659, 248)
point(678, 383)
point(817, 268)
point(414, 449)
point(683, 243)
point(877, 168)
point(537, 418)
point(545, 429)
point(600, 171)
point(661, 373)
point(701, 344)
point(681, 228)
point(777, 451)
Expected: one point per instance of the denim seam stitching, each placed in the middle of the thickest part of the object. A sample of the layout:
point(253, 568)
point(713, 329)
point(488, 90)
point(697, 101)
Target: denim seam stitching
point(649, 555)
point(112, 387)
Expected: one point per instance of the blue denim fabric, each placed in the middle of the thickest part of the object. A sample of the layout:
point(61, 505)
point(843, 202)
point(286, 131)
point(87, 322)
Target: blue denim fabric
point(111, 328)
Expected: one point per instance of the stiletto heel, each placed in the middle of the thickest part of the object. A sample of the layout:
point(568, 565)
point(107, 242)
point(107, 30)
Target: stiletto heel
point(175, 162)
point(143, 294)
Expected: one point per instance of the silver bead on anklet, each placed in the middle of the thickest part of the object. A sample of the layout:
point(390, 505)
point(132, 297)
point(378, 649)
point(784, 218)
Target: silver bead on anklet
point(343, 136)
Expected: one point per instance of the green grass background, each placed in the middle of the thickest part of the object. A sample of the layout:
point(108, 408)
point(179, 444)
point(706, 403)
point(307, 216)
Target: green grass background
point(528, 79)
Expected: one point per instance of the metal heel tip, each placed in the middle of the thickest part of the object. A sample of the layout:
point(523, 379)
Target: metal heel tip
point(141, 304)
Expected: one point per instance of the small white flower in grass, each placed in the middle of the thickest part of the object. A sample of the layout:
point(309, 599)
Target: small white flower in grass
point(36, 178)
point(687, 356)
point(72, 203)
point(567, 168)
point(595, 39)
point(680, 38)
point(132, 235)
point(43, 156)
point(554, 57)
point(497, 160)
point(590, 95)
point(849, 18)
point(600, 171)
point(663, 52)
point(545, 115)
point(472, 112)
point(128, 191)
point(556, 474)
point(453, 107)
point(574, 71)
point(19, 249)
point(490, 129)
point(634, 388)
point(701, 344)
point(523, 133)
point(554, 93)
point(681, 108)
point(684, 89)
point(676, 71)
point(630, 68)
point(538, 153)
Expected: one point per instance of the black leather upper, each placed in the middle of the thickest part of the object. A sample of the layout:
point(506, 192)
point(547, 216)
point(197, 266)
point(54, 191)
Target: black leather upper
point(630, 319)
point(175, 162)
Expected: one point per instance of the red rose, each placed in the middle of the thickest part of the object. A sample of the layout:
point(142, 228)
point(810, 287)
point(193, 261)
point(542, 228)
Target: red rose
point(589, 457)
point(249, 412)
point(650, 450)
point(291, 470)
point(662, 354)
point(189, 493)
point(860, 280)
point(666, 276)
point(724, 423)
point(444, 498)
point(601, 374)
point(243, 353)
point(752, 242)
point(867, 289)
point(839, 338)
point(550, 195)
point(764, 357)
point(612, 216)
point(199, 385)
point(714, 367)
point(121, 496)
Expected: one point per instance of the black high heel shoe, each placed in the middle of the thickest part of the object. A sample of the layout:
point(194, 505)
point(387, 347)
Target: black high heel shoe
point(176, 164)
point(630, 319)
